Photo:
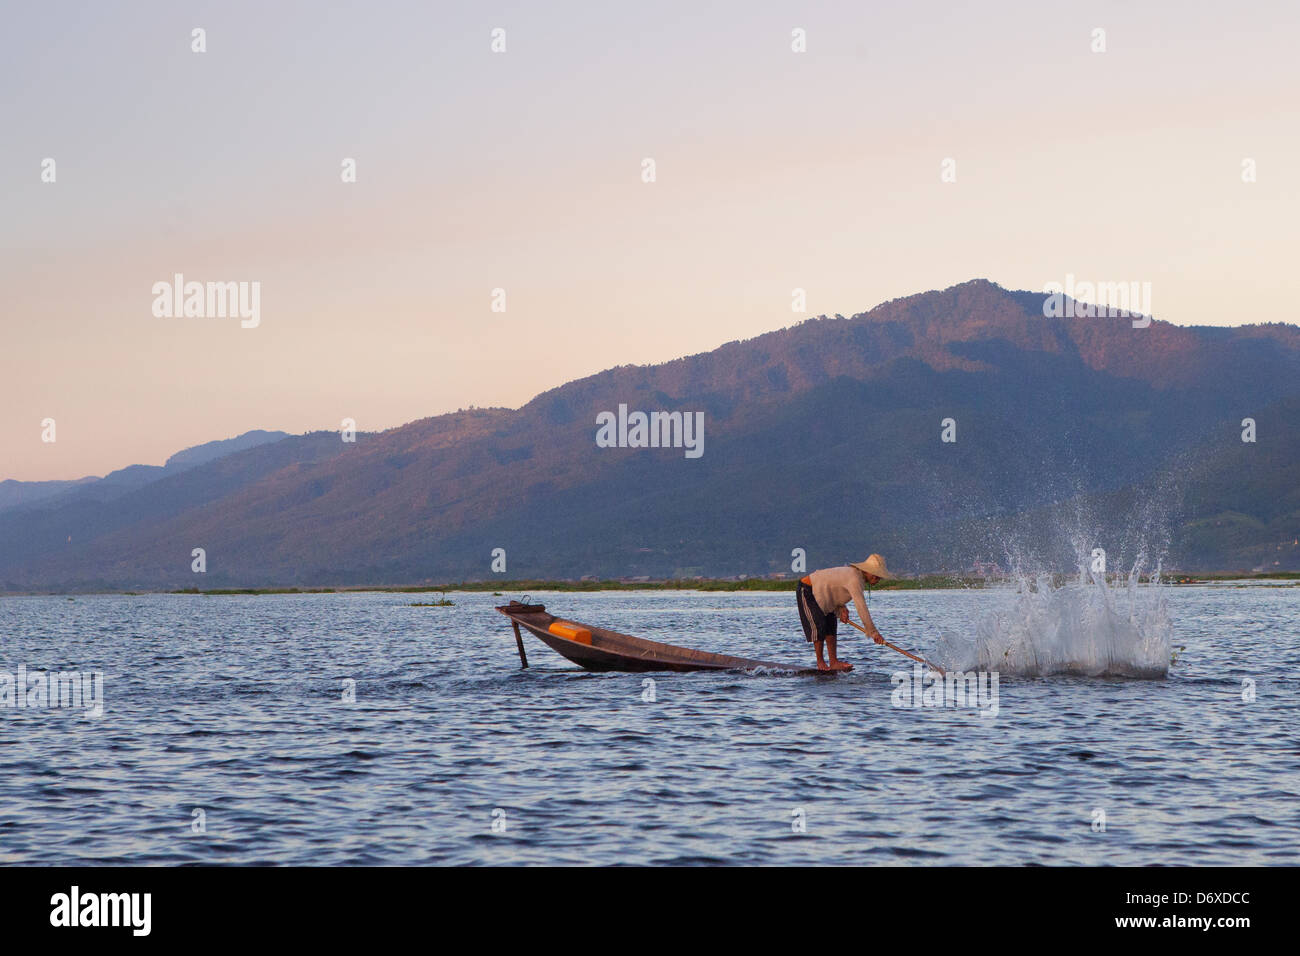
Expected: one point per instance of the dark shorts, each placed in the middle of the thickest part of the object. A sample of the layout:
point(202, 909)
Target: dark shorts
point(817, 626)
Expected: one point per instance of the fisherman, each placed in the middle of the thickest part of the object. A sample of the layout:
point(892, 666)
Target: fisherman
point(824, 596)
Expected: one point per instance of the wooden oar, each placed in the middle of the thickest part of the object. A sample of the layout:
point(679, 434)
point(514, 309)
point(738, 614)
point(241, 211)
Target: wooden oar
point(921, 660)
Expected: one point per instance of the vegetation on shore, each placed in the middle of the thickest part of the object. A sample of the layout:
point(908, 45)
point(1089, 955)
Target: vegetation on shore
point(216, 591)
point(516, 588)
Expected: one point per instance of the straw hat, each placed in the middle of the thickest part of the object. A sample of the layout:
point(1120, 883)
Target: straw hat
point(875, 565)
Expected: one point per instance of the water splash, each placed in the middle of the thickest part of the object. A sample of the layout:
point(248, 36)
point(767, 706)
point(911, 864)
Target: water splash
point(1090, 627)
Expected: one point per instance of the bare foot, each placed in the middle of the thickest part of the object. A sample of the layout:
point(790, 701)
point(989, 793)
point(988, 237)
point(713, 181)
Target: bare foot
point(841, 666)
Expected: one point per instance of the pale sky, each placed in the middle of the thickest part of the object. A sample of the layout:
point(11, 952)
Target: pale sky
point(522, 170)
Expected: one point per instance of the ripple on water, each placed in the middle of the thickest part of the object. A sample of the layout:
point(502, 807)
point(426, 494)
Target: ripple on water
point(234, 706)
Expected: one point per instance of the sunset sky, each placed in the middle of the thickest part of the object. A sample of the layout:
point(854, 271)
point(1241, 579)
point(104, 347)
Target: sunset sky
point(522, 170)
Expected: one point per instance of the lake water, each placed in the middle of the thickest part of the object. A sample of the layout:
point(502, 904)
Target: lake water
point(233, 706)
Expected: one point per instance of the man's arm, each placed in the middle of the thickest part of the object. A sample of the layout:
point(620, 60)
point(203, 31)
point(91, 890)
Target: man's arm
point(860, 602)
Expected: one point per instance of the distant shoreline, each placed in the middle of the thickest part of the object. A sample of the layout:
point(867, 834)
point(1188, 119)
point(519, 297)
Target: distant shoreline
point(514, 588)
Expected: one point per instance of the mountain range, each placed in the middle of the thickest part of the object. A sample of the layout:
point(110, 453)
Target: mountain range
point(827, 436)
point(16, 493)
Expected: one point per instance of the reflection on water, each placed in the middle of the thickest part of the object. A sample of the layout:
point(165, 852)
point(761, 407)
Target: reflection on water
point(234, 706)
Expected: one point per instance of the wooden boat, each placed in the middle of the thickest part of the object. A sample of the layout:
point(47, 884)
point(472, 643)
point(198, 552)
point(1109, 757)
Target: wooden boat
point(600, 649)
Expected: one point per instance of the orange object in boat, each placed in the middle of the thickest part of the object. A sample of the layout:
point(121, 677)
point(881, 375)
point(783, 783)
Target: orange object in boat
point(573, 632)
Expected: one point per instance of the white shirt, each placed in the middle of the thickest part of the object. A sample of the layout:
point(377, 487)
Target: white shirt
point(835, 587)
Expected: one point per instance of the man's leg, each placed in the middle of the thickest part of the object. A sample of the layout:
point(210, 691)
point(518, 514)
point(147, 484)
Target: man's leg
point(811, 623)
point(835, 663)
